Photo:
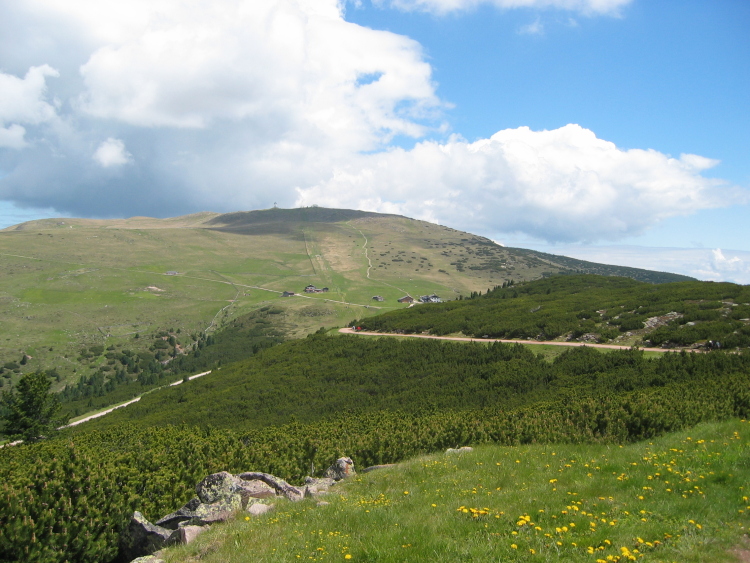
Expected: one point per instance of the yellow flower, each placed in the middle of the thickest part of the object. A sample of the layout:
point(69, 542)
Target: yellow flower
point(348, 556)
point(406, 492)
point(514, 546)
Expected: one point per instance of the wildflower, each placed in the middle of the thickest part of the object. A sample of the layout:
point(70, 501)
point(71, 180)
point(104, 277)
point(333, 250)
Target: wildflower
point(348, 556)
point(513, 546)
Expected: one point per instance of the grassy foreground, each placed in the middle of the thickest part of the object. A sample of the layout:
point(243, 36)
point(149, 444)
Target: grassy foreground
point(682, 497)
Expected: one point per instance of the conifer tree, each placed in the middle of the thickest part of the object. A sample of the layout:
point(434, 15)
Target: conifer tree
point(30, 411)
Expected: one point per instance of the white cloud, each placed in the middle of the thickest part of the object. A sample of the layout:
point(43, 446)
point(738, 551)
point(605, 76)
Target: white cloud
point(587, 7)
point(285, 68)
point(112, 153)
point(12, 137)
point(534, 28)
point(558, 185)
point(22, 101)
point(229, 103)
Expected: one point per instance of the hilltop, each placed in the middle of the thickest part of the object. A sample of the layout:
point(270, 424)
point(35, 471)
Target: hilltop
point(71, 289)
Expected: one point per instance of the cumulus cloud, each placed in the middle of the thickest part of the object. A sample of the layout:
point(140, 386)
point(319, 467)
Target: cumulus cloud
point(22, 101)
point(112, 153)
point(228, 102)
point(234, 104)
point(559, 185)
point(608, 7)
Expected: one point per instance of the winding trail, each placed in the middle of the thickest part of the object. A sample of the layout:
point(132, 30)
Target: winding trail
point(130, 402)
point(369, 262)
point(533, 342)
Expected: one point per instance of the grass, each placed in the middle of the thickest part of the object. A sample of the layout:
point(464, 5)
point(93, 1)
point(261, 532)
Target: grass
point(84, 283)
point(683, 497)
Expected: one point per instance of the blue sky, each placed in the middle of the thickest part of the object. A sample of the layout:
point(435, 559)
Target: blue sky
point(672, 77)
point(560, 125)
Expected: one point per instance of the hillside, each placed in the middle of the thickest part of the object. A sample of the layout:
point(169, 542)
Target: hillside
point(310, 379)
point(589, 308)
point(69, 287)
point(681, 497)
point(67, 498)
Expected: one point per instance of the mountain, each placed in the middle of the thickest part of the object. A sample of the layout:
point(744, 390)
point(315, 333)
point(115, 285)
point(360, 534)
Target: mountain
point(72, 288)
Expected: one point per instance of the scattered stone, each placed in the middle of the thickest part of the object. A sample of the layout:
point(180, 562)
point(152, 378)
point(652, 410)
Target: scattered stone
point(220, 495)
point(279, 485)
point(323, 503)
point(461, 450)
point(186, 534)
point(216, 487)
point(316, 487)
point(254, 489)
point(342, 468)
point(259, 508)
point(197, 513)
point(374, 467)
point(141, 537)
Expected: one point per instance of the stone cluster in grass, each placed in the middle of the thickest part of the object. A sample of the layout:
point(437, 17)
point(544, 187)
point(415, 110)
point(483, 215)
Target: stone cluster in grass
point(221, 496)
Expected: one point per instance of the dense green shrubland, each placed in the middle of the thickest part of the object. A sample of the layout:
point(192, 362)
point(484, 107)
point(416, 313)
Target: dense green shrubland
point(579, 304)
point(315, 377)
point(379, 401)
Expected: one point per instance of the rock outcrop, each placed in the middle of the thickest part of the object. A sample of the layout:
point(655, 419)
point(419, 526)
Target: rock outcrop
point(341, 469)
point(220, 496)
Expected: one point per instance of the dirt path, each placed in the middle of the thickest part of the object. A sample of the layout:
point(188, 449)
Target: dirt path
point(369, 262)
point(130, 402)
point(466, 339)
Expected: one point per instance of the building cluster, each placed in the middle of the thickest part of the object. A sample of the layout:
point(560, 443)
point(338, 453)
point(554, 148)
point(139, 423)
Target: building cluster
point(312, 289)
point(405, 299)
point(424, 299)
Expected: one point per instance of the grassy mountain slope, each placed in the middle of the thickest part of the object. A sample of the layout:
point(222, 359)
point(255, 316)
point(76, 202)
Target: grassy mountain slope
point(68, 285)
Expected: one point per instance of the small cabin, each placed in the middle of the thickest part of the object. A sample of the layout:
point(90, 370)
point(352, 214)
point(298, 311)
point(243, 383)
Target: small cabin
point(287, 294)
point(406, 299)
point(378, 298)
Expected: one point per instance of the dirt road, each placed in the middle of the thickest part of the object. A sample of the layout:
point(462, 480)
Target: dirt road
point(130, 402)
point(466, 339)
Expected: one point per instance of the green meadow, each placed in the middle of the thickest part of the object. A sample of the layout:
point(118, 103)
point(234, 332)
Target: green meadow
point(683, 497)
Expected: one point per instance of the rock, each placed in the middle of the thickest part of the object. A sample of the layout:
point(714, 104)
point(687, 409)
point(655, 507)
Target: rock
point(341, 469)
point(186, 534)
point(141, 537)
point(147, 559)
point(459, 450)
point(374, 467)
point(315, 487)
point(323, 503)
point(254, 488)
point(259, 508)
point(197, 513)
point(216, 487)
point(279, 485)
point(172, 521)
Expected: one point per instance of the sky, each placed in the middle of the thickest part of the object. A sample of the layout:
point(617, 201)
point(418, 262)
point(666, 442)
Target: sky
point(616, 131)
